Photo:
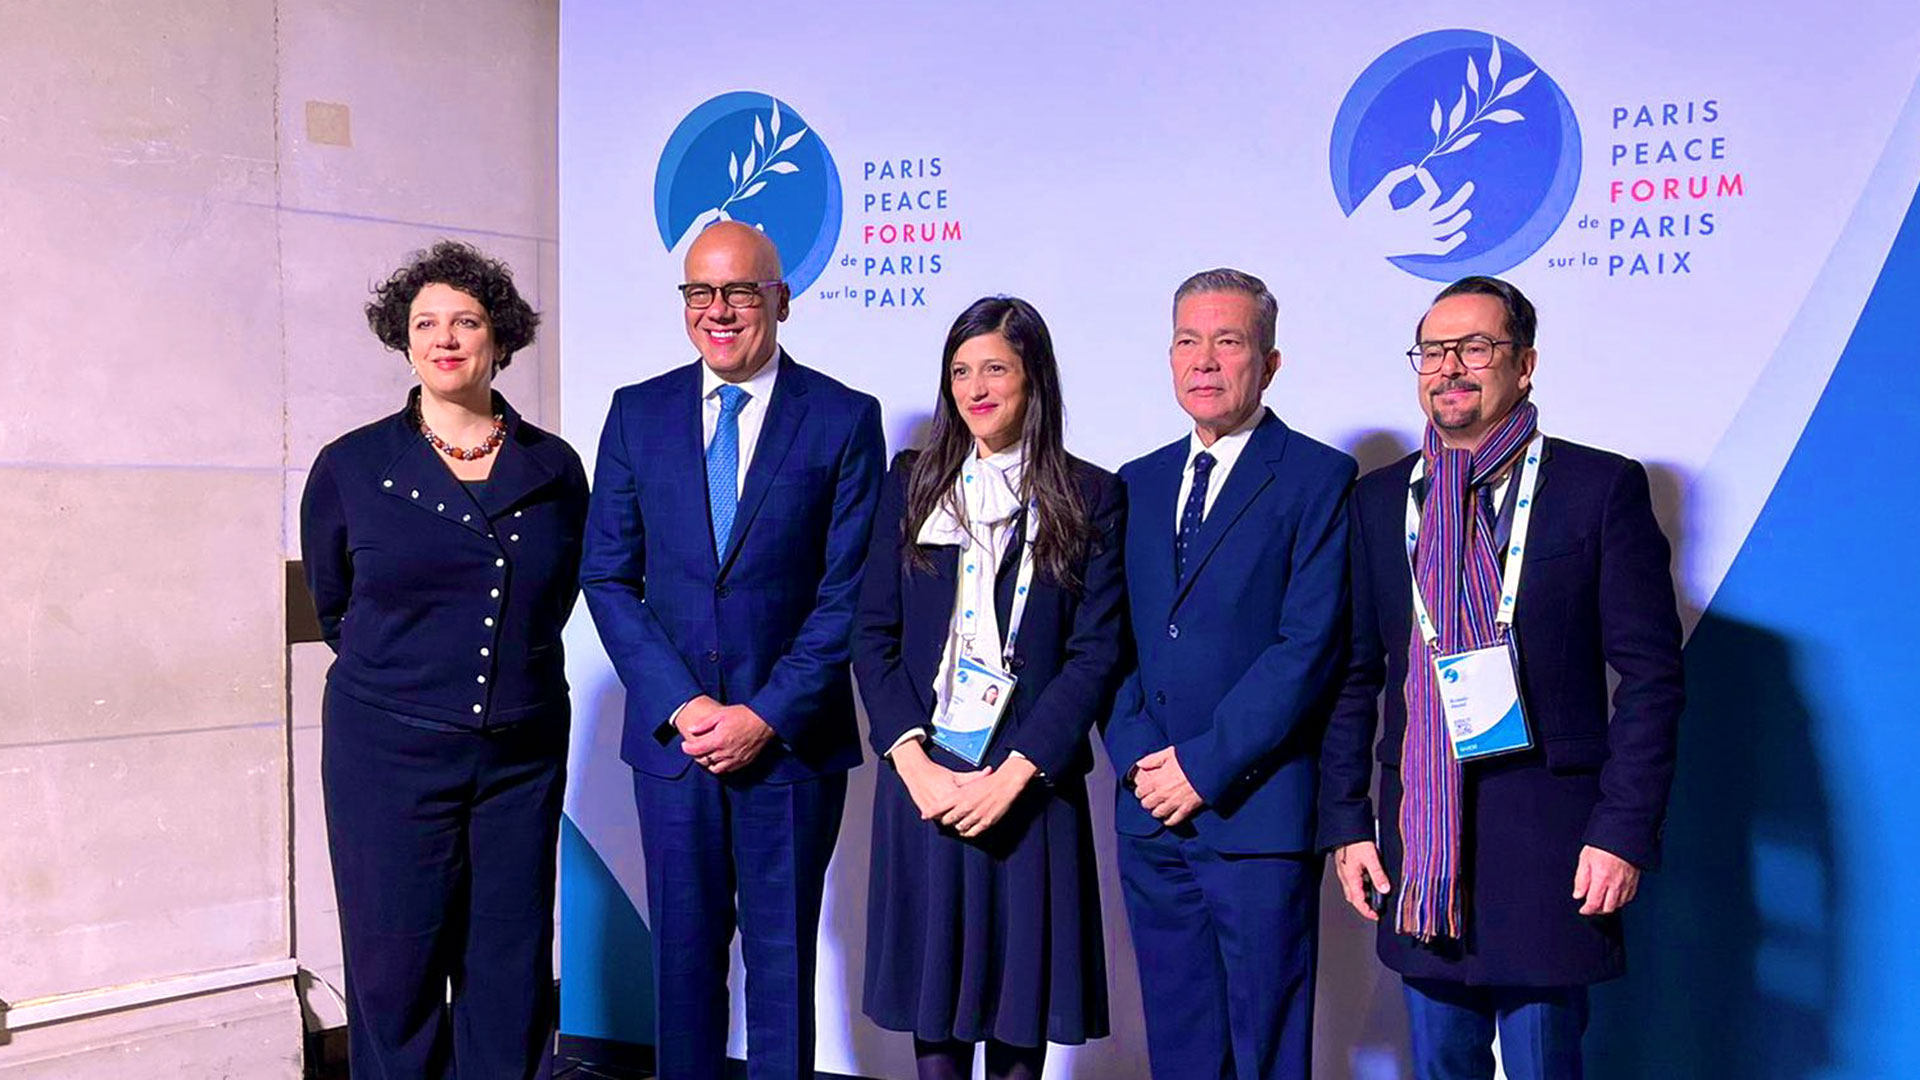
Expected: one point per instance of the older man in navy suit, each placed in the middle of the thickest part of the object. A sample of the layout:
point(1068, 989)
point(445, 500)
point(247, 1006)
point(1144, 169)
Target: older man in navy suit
point(725, 540)
point(1509, 849)
point(1236, 579)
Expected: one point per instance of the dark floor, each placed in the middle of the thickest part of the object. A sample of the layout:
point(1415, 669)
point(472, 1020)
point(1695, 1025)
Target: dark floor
point(597, 1059)
point(327, 1054)
point(577, 1059)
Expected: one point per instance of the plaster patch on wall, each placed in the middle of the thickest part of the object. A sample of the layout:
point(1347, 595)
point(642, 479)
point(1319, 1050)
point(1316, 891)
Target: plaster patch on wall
point(329, 124)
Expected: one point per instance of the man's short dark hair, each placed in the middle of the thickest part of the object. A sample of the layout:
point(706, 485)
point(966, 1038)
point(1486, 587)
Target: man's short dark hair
point(1521, 320)
point(463, 267)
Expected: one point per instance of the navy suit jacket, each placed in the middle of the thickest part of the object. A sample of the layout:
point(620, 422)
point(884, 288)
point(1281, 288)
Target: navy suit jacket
point(1595, 592)
point(445, 606)
point(1236, 660)
point(1070, 646)
point(767, 622)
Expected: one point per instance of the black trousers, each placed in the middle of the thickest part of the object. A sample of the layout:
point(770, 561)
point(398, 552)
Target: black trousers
point(443, 846)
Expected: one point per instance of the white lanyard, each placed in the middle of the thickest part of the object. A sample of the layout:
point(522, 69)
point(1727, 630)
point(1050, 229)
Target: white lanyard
point(1529, 480)
point(1022, 585)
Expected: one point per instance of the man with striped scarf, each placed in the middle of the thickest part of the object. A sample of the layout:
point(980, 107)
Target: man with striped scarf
point(1497, 574)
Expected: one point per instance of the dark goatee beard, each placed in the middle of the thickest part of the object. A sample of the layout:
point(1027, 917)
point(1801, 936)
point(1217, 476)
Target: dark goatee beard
point(1467, 419)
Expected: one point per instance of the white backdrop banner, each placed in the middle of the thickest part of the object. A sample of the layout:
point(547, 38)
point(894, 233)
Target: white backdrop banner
point(1698, 198)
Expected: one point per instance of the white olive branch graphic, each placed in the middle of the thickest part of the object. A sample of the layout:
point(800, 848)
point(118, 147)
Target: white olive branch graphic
point(746, 178)
point(1453, 135)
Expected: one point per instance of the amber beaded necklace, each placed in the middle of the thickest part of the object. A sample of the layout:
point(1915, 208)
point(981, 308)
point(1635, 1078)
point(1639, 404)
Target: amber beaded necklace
point(494, 438)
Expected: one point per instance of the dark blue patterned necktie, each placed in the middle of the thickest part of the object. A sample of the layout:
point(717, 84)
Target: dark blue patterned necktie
point(723, 467)
point(1193, 513)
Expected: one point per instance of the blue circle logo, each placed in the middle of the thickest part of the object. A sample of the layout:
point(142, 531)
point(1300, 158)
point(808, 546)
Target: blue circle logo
point(1454, 154)
point(749, 157)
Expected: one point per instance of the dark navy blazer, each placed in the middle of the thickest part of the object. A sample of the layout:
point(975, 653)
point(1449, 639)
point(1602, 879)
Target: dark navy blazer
point(443, 604)
point(1070, 643)
point(767, 624)
point(1237, 658)
point(1595, 592)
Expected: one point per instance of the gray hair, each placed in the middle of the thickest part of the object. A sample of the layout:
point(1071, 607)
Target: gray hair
point(1228, 280)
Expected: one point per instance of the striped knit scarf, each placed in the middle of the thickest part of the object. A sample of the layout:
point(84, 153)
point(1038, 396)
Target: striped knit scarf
point(1455, 569)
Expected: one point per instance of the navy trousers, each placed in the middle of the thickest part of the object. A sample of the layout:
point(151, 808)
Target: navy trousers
point(1452, 1025)
point(712, 844)
point(1226, 947)
point(443, 843)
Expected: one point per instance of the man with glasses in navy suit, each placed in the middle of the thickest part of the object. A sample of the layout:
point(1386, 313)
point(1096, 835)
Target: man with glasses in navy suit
point(727, 531)
point(1236, 580)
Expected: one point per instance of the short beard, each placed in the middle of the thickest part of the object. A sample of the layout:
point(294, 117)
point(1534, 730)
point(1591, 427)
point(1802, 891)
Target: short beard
point(1468, 418)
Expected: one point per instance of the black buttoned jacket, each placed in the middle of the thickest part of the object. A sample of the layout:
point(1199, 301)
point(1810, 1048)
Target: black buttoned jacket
point(442, 602)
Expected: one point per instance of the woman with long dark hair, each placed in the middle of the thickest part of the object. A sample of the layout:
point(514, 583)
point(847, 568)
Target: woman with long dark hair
point(988, 642)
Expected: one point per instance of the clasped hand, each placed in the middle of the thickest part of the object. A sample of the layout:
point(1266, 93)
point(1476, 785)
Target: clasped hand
point(721, 738)
point(969, 803)
point(1163, 789)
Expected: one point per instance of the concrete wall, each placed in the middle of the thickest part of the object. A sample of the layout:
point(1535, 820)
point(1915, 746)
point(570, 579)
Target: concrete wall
point(194, 199)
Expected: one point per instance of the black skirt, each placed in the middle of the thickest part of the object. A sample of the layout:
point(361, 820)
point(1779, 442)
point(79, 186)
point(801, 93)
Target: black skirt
point(998, 937)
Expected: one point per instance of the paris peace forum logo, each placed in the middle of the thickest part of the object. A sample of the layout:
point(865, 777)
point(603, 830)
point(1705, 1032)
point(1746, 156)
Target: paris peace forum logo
point(750, 157)
point(1454, 154)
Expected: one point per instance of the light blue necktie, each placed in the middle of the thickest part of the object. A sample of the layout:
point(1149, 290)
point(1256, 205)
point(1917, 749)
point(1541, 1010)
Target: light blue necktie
point(723, 467)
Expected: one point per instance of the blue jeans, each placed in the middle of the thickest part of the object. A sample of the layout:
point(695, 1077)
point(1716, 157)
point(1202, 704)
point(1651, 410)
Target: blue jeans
point(1452, 1026)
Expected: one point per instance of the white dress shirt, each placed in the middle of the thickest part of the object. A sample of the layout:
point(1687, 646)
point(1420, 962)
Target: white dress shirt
point(1225, 450)
point(752, 416)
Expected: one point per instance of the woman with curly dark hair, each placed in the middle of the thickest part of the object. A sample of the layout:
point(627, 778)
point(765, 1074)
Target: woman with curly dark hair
point(988, 641)
point(442, 548)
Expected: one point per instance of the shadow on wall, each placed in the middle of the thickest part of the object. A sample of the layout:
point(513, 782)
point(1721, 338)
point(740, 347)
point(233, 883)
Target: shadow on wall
point(1360, 1016)
point(1732, 946)
point(1360, 1019)
point(1377, 449)
point(919, 430)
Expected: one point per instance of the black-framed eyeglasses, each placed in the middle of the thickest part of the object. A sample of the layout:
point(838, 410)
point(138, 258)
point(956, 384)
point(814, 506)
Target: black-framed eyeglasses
point(1475, 351)
point(737, 294)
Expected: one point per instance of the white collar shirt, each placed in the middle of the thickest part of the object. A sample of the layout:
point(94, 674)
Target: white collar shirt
point(1226, 451)
point(752, 416)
